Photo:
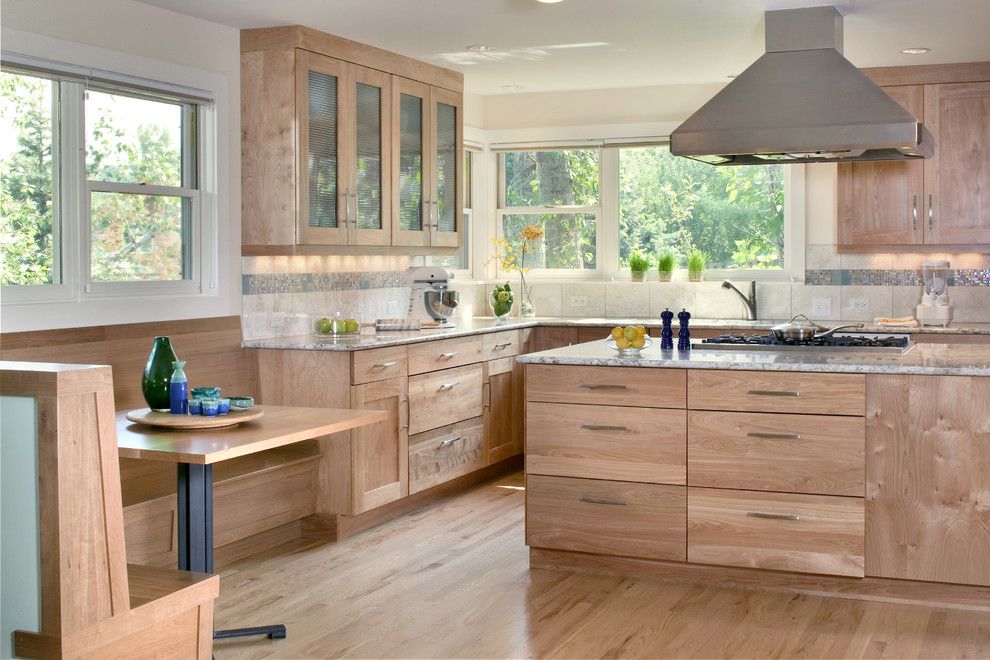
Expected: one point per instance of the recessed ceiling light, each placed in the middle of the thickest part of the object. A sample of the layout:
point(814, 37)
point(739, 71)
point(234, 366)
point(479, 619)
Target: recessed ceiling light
point(512, 88)
point(915, 51)
point(731, 75)
point(549, 2)
point(480, 48)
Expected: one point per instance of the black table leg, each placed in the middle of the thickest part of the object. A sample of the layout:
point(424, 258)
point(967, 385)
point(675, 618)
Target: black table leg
point(195, 523)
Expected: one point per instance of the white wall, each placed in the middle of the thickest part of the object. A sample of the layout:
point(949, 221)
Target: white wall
point(158, 40)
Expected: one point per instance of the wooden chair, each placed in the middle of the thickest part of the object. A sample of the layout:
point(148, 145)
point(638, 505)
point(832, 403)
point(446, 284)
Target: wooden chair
point(94, 605)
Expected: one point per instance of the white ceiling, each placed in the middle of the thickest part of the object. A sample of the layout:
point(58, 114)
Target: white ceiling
point(601, 44)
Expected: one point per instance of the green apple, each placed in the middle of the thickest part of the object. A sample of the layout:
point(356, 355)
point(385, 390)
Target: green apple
point(351, 325)
point(324, 326)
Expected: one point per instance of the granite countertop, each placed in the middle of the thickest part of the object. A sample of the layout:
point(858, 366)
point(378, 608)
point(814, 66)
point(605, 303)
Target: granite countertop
point(925, 359)
point(482, 325)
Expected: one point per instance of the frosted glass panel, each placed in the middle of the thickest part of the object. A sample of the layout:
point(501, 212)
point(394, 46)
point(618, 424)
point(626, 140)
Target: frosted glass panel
point(20, 559)
point(447, 167)
point(369, 157)
point(410, 163)
point(322, 156)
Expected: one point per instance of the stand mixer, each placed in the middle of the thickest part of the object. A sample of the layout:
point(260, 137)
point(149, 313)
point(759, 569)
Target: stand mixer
point(430, 299)
point(935, 307)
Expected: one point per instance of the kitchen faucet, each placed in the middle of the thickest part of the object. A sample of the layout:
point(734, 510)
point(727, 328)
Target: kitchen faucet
point(750, 300)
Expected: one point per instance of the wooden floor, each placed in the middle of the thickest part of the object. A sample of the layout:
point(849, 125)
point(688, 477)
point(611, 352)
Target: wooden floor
point(453, 581)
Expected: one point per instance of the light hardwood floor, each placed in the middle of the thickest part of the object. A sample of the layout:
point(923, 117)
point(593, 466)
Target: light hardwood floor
point(453, 581)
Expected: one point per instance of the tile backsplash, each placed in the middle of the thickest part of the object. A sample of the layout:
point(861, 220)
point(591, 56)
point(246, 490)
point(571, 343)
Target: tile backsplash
point(284, 295)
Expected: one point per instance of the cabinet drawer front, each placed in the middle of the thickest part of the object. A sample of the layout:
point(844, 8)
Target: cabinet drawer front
point(378, 364)
point(778, 531)
point(442, 454)
point(444, 397)
point(606, 442)
point(501, 344)
point(606, 517)
point(793, 453)
point(443, 354)
point(777, 391)
point(616, 386)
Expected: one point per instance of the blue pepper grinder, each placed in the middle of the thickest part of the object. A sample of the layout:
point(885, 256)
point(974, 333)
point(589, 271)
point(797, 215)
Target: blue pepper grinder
point(666, 332)
point(684, 335)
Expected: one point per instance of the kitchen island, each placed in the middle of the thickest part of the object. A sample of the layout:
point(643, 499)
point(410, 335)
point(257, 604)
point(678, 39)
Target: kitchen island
point(848, 472)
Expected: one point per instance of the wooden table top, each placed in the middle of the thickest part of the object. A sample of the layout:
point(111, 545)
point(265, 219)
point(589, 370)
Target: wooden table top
point(280, 425)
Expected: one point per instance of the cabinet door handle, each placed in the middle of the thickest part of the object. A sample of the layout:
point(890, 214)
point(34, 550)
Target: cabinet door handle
point(386, 364)
point(772, 393)
point(603, 386)
point(931, 215)
point(603, 427)
point(602, 500)
point(405, 427)
point(354, 218)
point(346, 208)
point(914, 213)
point(774, 436)
point(486, 396)
point(773, 516)
point(449, 386)
point(498, 347)
point(447, 356)
point(446, 442)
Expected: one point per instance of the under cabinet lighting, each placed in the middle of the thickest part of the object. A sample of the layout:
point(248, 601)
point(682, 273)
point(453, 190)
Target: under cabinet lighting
point(915, 51)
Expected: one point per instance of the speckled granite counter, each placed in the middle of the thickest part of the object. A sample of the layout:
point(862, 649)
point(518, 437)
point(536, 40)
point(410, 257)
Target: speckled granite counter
point(925, 359)
point(481, 325)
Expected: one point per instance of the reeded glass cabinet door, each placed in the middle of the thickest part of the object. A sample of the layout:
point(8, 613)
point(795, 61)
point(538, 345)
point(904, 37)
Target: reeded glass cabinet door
point(369, 154)
point(411, 180)
point(321, 209)
point(448, 164)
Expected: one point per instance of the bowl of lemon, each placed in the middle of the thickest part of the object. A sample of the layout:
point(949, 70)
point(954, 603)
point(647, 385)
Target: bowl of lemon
point(629, 341)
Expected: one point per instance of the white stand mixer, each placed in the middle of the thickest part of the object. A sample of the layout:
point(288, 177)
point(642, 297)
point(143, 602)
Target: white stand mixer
point(935, 307)
point(430, 299)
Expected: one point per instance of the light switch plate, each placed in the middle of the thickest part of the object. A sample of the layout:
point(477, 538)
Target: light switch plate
point(821, 307)
point(859, 305)
point(579, 301)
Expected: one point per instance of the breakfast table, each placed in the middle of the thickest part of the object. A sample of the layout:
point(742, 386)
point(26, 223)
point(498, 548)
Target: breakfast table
point(195, 451)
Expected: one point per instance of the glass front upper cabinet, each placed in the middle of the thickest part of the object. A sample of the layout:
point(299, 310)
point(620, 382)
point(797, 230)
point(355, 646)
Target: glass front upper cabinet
point(411, 179)
point(448, 164)
point(367, 166)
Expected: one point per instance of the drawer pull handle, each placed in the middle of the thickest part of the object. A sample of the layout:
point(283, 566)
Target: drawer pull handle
point(449, 386)
point(773, 516)
point(386, 365)
point(498, 347)
point(602, 427)
point(603, 386)
point(775, 436)
point(772, 393)
point(602, 500)
point(447, 356)
point(449, 441)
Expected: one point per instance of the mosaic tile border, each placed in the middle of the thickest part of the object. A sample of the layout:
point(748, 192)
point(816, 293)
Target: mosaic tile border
point(873, 277)
point(307, 282)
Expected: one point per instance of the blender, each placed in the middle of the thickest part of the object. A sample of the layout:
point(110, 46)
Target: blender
point(935, 307)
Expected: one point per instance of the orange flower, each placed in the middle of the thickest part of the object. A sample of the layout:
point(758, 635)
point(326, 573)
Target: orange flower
point(532, 232)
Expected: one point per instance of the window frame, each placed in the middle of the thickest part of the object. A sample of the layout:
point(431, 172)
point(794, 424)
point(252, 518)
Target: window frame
point(72, 190)
point(596, 210)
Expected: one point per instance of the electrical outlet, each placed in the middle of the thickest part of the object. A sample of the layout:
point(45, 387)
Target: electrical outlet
point(392, 309)
point(859, 305)
point(821, 307)
point(579, 301)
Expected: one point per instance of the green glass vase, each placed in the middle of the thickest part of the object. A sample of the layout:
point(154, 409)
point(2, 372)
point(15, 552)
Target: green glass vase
point(157, 374)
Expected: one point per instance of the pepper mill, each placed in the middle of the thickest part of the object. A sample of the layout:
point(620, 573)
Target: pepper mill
point(684, 335)
point(666, 332)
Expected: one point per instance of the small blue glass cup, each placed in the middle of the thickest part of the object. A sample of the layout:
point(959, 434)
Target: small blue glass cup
point(211, 407)
point(195, 406)
point(223, 406)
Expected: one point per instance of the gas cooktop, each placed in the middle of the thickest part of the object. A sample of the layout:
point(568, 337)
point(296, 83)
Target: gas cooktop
point(886, 343)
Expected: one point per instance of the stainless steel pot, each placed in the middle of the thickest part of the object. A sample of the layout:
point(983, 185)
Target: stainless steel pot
point(805, 331)
point(441, 304)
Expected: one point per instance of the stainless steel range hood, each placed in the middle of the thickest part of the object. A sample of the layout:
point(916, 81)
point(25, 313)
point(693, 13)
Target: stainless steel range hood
point(801, 102)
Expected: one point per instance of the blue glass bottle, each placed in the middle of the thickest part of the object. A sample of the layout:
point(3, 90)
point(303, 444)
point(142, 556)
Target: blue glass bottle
point(178, 390)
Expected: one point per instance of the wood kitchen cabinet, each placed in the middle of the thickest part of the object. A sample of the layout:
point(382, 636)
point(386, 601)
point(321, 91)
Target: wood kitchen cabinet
point(503, 409)
point(346, 148)
point(934, 202)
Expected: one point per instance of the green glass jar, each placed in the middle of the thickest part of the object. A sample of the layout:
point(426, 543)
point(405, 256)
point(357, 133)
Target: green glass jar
point(157, 374)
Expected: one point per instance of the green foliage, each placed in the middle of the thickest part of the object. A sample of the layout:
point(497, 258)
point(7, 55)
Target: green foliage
point(502, 299)
point(638, 263)
point(666, 261)
point(696, 261)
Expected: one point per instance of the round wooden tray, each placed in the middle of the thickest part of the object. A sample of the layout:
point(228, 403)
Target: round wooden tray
point(154, 418)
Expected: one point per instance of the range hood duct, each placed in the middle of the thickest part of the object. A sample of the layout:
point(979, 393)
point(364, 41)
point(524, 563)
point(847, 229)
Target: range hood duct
point(801, 102)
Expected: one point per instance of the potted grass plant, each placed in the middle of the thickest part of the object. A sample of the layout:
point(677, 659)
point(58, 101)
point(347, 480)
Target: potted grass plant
point(666, 261)
point(696, 261)
point(638, 265)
